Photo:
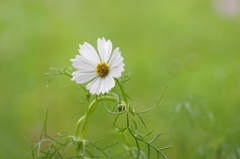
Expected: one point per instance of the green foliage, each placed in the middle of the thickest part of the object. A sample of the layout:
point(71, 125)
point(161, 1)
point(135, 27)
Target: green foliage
point(188, 45)
point(58, 148)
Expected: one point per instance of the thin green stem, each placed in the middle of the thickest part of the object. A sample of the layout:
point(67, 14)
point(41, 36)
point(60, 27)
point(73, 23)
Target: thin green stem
point(78, 125)
point(123, 93)
point(92, 106)
point(85, 124)
point(84, 119)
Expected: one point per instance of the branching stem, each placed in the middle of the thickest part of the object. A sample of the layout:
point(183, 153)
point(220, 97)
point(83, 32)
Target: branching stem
point(91, 107)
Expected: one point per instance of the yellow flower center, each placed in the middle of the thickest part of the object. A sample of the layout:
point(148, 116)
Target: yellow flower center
point(102, 69)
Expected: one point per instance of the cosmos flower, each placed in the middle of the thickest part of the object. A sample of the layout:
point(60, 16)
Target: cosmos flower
point(98, 68)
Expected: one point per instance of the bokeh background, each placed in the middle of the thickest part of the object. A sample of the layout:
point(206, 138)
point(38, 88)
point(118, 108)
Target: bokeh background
point(192, 46)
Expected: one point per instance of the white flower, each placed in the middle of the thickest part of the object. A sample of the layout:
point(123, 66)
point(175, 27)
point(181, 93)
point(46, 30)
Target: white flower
point(98, 67)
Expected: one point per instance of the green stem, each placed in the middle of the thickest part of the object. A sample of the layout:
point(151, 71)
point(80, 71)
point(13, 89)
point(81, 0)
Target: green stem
point(129, 130)
point(129, 108)
point(92, 106)
point(123, 93)
point(85, 124)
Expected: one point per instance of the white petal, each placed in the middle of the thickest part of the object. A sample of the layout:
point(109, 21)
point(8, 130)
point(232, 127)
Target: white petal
point(82, 77)
point(116, 58)
point(116, 64)
point(86, 70)
point(101, 85)
point(116, 72)
point(81, 63)
point(104, 49)
point(109, 83)
point(93, 86)
point(88, 51)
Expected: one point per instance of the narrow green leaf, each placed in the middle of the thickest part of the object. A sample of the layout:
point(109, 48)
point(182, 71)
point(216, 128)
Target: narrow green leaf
point(99, 149)
point(67, 147)
point(142, 121)
point(110, 146)
point(162, 155)
point(135, 124)
point(128, 96)
point(51, 79)
point(148, 151)
point(32, 149)
point(145, 110)
point(142, 134)
point(137, 148)
point(127, 79)
point(44, 129)
point(113, 112)
point(154, 138)
point(52, 73)
point(115, 120)
point(75, 157)
point(54, 141)
point(154, 104)
point(89, 153)
point(120, 129)
point(55, 69)
point(52, 155)
point(164, 148)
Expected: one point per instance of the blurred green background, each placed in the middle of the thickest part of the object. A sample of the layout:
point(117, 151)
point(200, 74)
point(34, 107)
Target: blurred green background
point(191, 46)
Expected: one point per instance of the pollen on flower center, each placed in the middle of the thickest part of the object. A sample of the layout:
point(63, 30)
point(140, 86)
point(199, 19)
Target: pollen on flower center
point(102, 69)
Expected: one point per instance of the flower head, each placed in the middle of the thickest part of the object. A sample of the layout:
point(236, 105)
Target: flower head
point(98, 67)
